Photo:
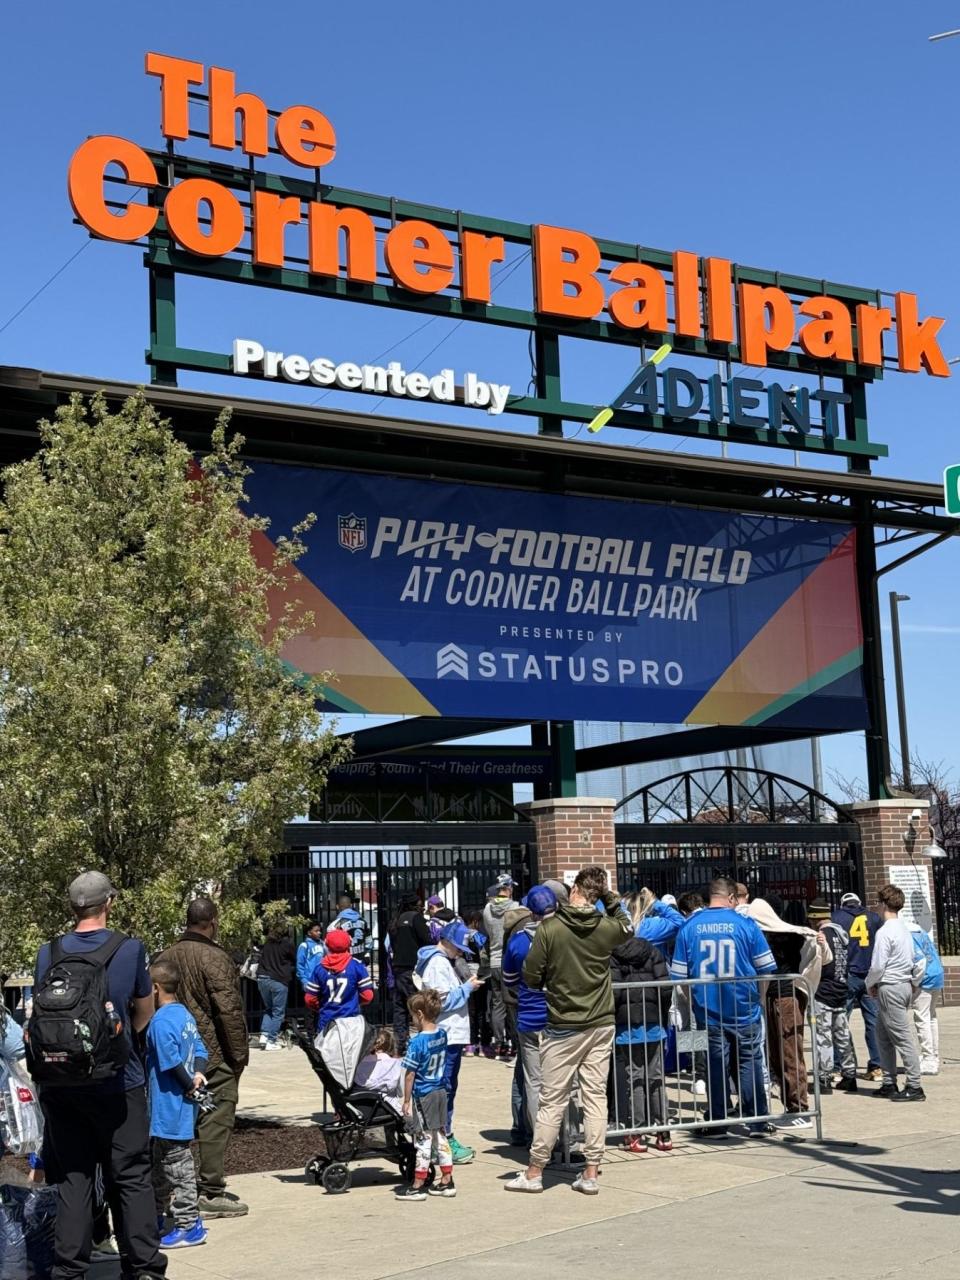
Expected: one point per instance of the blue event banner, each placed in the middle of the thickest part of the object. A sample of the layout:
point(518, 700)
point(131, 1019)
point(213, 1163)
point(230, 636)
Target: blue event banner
point(432, 598)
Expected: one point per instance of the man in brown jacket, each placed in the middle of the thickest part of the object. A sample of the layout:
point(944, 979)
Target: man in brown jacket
point(210, 988)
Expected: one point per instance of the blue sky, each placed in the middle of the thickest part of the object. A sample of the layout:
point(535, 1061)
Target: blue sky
point(818, 139)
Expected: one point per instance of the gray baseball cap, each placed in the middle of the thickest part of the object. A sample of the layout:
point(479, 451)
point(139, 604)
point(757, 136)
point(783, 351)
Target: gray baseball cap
point(90, 889)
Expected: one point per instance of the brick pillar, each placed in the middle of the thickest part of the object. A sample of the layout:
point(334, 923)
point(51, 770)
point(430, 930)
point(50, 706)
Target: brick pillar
point(882, 827)
point(573, 832)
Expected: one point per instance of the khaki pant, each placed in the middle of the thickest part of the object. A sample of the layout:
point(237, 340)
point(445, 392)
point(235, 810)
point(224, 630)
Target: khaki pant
point(562, 1059)
point(928, 1032)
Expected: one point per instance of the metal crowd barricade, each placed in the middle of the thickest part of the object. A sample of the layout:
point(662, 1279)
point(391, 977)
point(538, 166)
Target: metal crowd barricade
point(707, 1054)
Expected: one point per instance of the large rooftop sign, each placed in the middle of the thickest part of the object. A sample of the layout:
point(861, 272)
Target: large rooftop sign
point(240, 224)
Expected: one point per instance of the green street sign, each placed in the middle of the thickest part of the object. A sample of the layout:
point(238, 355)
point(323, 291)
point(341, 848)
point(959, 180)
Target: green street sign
point(951, 489)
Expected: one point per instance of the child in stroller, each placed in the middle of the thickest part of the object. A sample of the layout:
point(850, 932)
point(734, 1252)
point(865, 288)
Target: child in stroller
point(367, 1122)
point(381, 1070)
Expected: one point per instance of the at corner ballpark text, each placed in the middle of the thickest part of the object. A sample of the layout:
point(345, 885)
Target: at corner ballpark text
point(385, 380)
point(701, 298)
point(610, 568)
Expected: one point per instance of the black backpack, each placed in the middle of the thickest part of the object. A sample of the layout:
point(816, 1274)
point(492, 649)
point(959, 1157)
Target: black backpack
point(74, 1035)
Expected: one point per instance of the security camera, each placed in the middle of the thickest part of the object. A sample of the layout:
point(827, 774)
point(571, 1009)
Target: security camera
point(915, 816)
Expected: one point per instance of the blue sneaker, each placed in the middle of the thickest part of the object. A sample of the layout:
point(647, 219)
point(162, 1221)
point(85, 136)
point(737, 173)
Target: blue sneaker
point(184, 1238)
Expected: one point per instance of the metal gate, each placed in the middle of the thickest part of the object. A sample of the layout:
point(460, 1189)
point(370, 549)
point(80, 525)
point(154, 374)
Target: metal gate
point(377, 864)
point(946, 892)
point(774, 834)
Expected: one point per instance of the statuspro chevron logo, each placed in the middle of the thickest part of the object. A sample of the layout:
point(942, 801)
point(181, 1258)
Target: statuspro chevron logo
point(452, 661)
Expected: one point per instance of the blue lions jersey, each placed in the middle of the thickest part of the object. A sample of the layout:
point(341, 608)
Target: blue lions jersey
point(720, 943)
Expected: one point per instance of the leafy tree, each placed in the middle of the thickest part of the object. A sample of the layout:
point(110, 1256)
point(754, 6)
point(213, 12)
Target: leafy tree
point(148, 724)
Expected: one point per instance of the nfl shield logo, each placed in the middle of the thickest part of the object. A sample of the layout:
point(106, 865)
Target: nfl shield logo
point(353, 532)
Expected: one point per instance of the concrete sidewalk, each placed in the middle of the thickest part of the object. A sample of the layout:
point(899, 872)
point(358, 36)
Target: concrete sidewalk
point(880, 1197)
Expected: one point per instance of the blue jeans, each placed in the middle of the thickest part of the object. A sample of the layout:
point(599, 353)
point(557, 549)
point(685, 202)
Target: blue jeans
point(451, 1078)
point(744, 1046)
point(274, 997)
point(857, 998)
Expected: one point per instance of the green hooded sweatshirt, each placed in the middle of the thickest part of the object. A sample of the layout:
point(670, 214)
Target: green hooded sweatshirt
point(569, 960)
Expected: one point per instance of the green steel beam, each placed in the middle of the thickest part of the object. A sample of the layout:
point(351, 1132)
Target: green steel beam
point(241, 271)
point(552, 412)
point(564, 748)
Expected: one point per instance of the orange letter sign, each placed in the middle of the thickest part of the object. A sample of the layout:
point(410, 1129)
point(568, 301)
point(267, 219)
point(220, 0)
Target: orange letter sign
point(176, 75)
point(85, 186)
point(758, 305)
point(553, 271)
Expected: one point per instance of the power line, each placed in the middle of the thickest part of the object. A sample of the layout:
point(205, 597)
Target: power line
point(421, 360)
point(46, 284)
point(507, 269)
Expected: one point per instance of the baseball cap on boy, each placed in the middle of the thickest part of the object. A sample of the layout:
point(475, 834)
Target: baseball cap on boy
point(819, 909)
point(851, 900)
point(435, 900)
point(338, 940)
point(505, 881)
point(90, 889)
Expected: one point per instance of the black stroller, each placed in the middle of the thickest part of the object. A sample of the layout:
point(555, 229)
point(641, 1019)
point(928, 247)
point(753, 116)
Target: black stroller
point(364, 1125)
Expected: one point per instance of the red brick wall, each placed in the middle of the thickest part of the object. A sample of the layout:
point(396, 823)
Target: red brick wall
point(882, 824)
point(951, 986)
point(574, 833)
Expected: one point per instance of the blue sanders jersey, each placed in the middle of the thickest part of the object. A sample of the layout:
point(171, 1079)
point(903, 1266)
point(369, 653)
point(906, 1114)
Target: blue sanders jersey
point(338, 993)
point(426, 1055)
point(719, 943)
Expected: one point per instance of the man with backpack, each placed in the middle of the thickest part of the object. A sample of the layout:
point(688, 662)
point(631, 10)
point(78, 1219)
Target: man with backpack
point(91, 1086)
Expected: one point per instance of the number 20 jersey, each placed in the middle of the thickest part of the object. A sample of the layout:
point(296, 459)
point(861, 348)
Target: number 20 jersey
point(719, 943)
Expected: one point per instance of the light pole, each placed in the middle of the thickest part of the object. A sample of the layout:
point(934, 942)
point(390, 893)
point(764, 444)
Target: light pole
point(895, 600)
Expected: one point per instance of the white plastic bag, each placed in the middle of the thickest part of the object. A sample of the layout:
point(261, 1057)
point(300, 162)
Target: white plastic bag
point(21, 1122)
point(340, 1045)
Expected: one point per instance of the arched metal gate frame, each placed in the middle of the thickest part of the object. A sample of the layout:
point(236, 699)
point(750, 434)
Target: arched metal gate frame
point(773, 833)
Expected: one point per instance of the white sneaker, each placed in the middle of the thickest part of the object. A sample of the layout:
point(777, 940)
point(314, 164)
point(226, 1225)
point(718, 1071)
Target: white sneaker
point(272, 1047)
point(791, 1121)
point(263, 1042)
point(105, 1251)
point(929, 1068)
point(699, 1088)
point(522, 1183)
point(586, 1186)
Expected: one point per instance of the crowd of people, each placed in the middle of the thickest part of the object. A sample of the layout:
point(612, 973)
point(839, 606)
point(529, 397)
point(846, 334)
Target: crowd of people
point(589, 998)
point(596, 992)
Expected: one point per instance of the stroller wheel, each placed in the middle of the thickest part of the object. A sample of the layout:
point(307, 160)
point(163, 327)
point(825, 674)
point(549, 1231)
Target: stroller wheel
point(313, 1168)
point(335, 1178)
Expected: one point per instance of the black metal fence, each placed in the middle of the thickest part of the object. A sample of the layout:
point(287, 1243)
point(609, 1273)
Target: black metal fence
point(946, 892)
point(798, 872)
point(376, 879)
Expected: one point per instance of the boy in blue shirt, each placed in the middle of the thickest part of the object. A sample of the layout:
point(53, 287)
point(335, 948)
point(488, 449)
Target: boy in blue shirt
point(425, 1098)
point(717, 942)
point(176, 1057)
